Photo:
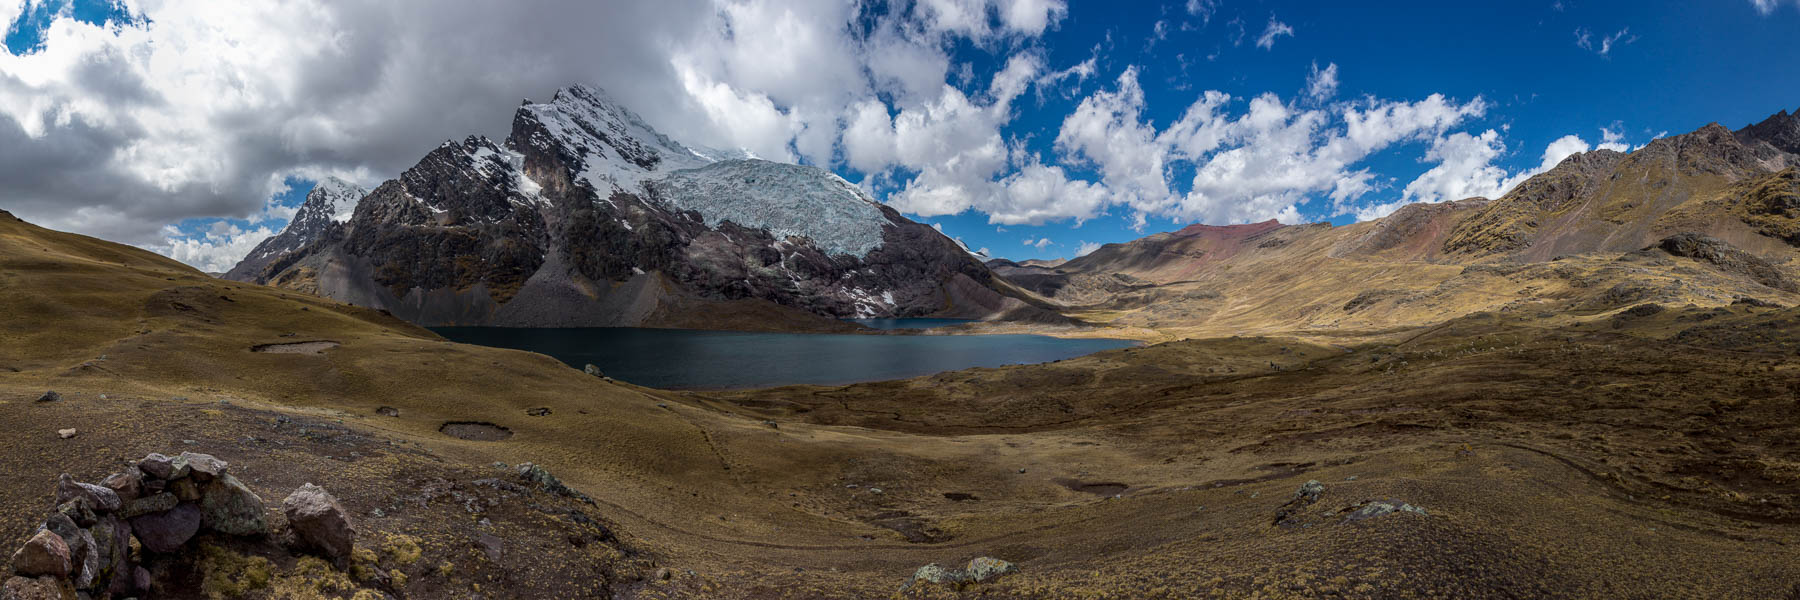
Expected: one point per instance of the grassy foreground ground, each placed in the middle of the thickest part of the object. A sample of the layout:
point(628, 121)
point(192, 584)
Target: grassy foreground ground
point(1613, 454)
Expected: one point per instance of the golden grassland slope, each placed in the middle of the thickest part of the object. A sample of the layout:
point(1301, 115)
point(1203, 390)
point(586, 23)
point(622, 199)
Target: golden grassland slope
point(1563, 241)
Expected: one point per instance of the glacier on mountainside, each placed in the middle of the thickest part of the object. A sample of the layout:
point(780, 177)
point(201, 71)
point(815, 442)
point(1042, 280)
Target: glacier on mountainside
point(786, 200)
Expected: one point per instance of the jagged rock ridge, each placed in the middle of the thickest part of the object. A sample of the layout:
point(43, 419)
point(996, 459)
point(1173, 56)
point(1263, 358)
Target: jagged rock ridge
point(329, 205)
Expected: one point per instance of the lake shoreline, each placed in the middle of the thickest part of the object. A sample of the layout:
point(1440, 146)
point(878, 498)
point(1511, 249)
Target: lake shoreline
point(707, 360)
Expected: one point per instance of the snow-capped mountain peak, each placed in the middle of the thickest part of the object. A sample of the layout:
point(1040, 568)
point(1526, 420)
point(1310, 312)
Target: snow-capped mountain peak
point(614, 148)
point(331, 203)
point(335, 198)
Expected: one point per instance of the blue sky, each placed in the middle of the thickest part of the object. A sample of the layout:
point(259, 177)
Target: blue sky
point(1676, 67)
point(1031, 128)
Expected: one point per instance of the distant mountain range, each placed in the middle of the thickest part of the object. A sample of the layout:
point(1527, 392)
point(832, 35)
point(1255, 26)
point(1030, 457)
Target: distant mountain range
point(1708, 217)
point(587, 216)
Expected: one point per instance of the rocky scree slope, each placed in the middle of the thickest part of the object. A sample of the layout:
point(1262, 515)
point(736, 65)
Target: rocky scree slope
point(586, 216)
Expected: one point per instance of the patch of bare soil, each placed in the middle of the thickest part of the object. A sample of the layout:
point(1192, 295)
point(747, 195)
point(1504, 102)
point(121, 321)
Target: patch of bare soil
point(475, 431)
point(313, 347)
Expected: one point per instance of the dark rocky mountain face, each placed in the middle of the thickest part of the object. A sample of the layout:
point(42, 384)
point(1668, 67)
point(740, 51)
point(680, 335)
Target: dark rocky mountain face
point(586, 216)
point(1780, 131)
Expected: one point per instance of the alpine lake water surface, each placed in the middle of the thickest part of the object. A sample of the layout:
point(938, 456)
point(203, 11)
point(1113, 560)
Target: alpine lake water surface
point(697, 359)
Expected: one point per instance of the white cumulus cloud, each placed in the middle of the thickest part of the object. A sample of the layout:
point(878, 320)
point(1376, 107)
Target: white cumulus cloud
point(1275, 29)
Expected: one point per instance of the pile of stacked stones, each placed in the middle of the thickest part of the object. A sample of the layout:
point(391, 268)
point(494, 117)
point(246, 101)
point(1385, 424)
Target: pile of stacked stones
point(83, 547)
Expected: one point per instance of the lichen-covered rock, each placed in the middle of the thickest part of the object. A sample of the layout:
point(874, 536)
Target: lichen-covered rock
point(99, 498)
point(319, 522)
point(44, 554)
point(980, 569)
point(985, 567)
point(1380, 508)
point(166, 531)
point(149, 504)
point(112, 551)
point(228, 506)
point(84, 559)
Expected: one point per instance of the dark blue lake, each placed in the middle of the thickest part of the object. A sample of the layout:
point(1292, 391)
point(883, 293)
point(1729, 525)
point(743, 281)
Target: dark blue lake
point(695, 359)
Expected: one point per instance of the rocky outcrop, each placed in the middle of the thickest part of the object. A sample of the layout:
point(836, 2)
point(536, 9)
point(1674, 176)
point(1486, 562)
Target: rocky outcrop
point(586, 216)
point(84, 549)
point(1780, 133)
point(978, 570)
point(1724, 257)
point(1290, 512)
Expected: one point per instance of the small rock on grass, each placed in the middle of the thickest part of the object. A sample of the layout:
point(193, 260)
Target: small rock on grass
point(319, 522)
point(49, 396)
point(66, 433)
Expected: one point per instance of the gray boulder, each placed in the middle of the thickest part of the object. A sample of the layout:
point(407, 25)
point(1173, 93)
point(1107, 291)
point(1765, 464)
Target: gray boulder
point(50, 396)
point(319, 522)
point(166, 531)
